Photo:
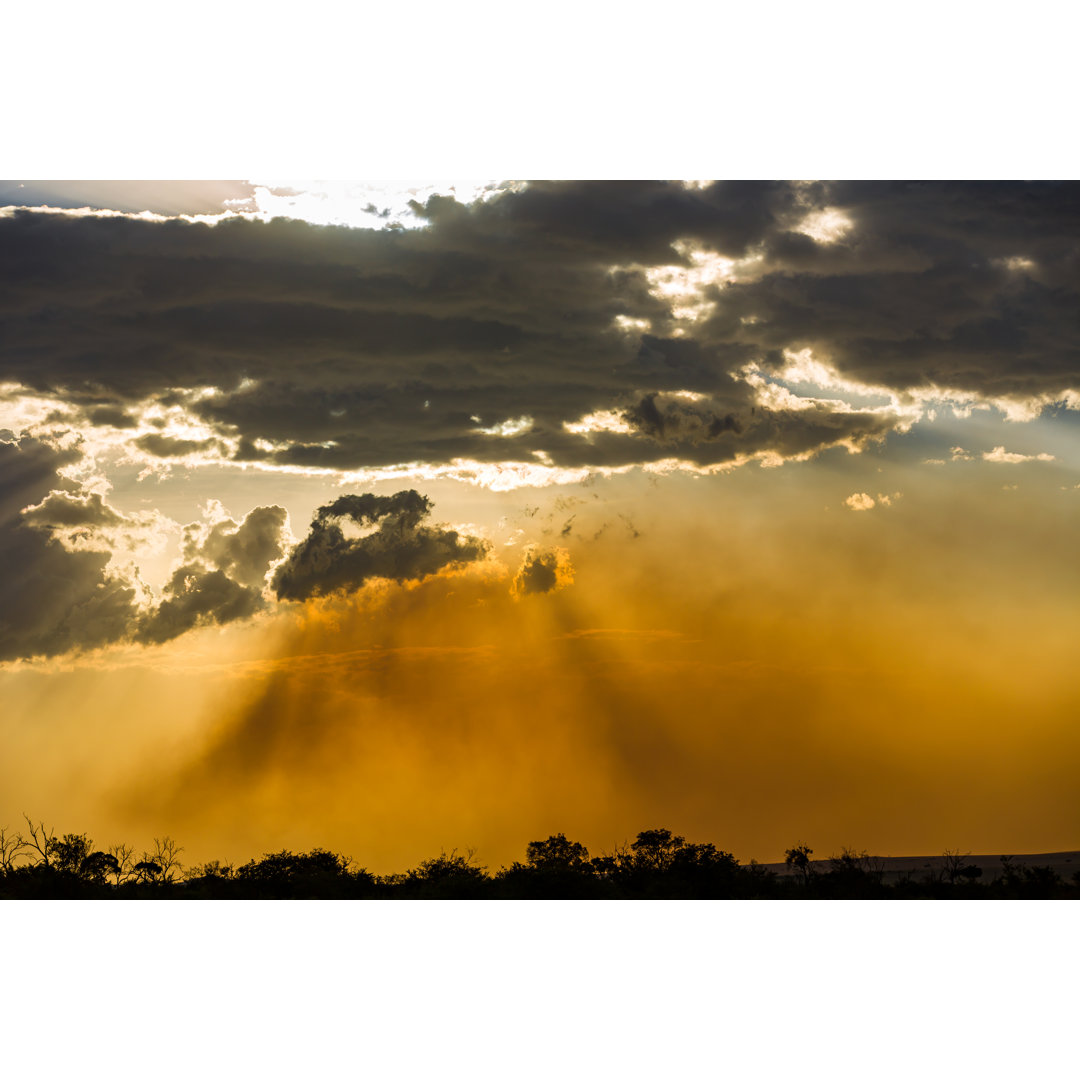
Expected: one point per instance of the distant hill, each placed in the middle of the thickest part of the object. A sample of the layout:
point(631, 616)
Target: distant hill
point(893, 867)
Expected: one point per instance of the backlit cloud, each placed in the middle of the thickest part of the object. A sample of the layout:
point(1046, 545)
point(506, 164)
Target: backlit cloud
point(1002, 456)
point(393, 543)
point(542, 571)
point(567, 325)
point(54, 599)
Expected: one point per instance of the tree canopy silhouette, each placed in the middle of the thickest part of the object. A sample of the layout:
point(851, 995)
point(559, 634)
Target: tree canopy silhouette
point(657, 864)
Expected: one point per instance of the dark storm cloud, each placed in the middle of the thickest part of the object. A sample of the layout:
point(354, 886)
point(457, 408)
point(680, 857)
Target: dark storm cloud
point(52, 600)
point(348, 348)
point(397, 546)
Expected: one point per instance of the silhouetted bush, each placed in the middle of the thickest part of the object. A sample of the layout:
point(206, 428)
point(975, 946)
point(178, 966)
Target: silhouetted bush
point(658, 864)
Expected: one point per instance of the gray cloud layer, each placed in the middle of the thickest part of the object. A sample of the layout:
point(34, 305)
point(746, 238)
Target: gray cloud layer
point(348, 348)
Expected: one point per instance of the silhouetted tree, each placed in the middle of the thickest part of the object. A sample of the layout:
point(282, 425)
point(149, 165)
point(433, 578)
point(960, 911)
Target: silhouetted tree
point(285, 866)
point(124, 855)
point(68, 853)
point(166, 855)
point(654, 849)
point(798, 859)
point(849, 875)
point(955, 866)
point(658, 864)
point(703, 856)
point(1041, 880)
point(447, 875)
point(556, 853)
point(215, 869)
point(41, 839)
point(95, 866)
point(146, 871)
point(555, 868)
point(11, 846)
point(604, 866)
point(702, 870)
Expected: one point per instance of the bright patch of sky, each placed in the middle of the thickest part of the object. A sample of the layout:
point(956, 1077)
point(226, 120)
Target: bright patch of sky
point(359, 205)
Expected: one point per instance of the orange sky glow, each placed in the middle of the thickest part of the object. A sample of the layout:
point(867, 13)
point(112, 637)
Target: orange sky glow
point(728, 570)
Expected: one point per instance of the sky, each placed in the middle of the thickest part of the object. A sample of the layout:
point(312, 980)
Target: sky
point(396, 518)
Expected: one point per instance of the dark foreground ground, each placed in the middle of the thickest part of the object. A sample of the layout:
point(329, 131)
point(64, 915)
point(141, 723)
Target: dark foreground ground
point(657, 866)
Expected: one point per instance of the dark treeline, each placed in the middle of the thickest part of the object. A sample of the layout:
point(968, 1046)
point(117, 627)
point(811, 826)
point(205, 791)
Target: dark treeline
point(658, 865)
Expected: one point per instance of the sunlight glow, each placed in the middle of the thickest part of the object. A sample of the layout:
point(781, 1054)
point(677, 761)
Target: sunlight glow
point(610, 420)
point(827, 226)
point(508, 428)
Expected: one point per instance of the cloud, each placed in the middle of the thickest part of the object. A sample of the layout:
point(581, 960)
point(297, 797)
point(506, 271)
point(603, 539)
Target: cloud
point(62, 509)
point(1002, 456)
point(166, 447)
point(393, 543)
point(588, 325)
point(542, 571)
point(222, 573)
point(243, 550)
point(63, 589)
point(52, 599)
point(195, 596)
point(860, 501)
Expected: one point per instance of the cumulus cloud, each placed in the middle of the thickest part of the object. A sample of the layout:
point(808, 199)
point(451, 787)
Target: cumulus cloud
point(1004, 457)
point(63, 592)
point(860, 501)
point(195, 596)
point(222, 573)
point(82, 520)
point(542, 570)
point(52, 599)
point(63, 589)
point(243, 550)
point(392, 542)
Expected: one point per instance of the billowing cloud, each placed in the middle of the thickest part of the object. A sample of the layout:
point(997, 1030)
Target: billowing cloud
point(243, 550)
point(195, 596)
point(66, 586)
point(52, 599)
point(222, 575)
point(542, 570)
point(392, 543)
point(860, 501)
point(64, 590)
point(494, 333)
